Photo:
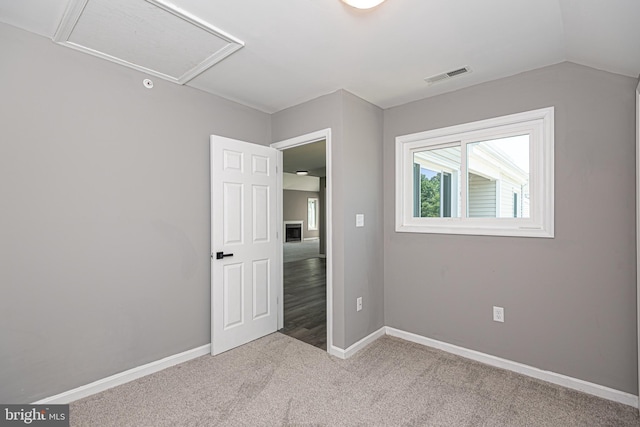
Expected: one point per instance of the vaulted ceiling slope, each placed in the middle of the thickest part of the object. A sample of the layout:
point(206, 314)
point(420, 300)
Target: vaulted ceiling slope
point(296, 50)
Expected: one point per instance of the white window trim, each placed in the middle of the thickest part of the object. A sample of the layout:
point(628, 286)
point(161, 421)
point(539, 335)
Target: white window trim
point(539, 124)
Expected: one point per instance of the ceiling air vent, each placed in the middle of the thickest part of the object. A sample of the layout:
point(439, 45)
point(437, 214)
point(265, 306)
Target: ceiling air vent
point(446, 76)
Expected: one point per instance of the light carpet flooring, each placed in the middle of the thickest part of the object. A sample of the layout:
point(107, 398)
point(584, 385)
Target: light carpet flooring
point(279, 381)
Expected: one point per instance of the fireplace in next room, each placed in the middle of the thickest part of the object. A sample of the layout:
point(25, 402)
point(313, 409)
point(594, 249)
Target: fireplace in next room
point(293, 231)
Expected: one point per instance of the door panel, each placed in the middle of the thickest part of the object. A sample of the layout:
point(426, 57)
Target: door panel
point(261, 214)
point(260, 165)
point(261, 287)
point(233, 212)
point(243, 230)
point(233, 295)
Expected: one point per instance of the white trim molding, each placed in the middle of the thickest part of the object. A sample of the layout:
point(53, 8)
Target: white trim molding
point(530, 371)
point(125, 377)
point(638, 226)
point(354, 348)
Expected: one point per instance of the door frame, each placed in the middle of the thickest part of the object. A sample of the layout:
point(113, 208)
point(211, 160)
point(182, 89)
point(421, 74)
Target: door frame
point(638, 228)
point(324, 134)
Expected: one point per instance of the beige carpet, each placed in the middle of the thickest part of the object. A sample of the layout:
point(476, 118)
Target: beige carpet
point(279, 381)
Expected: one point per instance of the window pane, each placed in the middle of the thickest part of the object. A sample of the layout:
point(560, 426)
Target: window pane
point(436, 191)
point(498, 178)
point(312, 214)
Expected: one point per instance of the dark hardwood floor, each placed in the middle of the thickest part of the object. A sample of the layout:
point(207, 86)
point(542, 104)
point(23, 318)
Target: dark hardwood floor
point(305, 301)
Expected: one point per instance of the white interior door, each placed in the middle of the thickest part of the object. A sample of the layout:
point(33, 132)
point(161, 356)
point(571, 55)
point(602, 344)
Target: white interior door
point(245, 261)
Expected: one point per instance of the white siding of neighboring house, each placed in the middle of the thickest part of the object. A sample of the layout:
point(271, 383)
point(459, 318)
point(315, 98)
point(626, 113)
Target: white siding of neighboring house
point(525, 208)
point(482, 197)
point(507, 188)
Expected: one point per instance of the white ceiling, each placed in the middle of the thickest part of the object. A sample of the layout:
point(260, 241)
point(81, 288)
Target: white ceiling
point(296, 50)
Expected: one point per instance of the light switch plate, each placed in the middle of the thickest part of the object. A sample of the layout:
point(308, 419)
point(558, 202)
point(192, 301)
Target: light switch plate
point(359, 220)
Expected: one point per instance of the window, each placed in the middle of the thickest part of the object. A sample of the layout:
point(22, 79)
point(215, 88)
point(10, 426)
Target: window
point(492, 177)
point(312, 214)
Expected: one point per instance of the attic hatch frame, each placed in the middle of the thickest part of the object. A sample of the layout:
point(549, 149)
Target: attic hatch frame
point(74, 11)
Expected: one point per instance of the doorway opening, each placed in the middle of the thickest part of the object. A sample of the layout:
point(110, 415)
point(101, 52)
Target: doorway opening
point(305, 303)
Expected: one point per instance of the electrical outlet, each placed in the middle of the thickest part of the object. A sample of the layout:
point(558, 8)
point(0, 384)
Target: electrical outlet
point(359, 304)
point(498, 314)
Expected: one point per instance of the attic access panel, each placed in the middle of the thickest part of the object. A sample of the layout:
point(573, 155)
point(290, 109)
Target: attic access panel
point(148, 35)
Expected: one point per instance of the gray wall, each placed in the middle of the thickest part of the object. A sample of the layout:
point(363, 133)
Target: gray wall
point(294, 208)
point(322, 113)
point(104, 219)
point(356, 159)
point(363, 247)
point(570, 301)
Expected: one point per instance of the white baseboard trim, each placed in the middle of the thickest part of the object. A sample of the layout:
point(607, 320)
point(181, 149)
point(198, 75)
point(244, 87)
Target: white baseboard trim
point(124, 377)
point(354, 348)
point(552, 377)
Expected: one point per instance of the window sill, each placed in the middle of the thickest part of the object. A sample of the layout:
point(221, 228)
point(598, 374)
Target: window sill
point(453, 226)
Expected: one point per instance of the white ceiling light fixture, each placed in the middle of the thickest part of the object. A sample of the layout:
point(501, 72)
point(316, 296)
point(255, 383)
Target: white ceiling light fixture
point(302, 173)
point(363, 4)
